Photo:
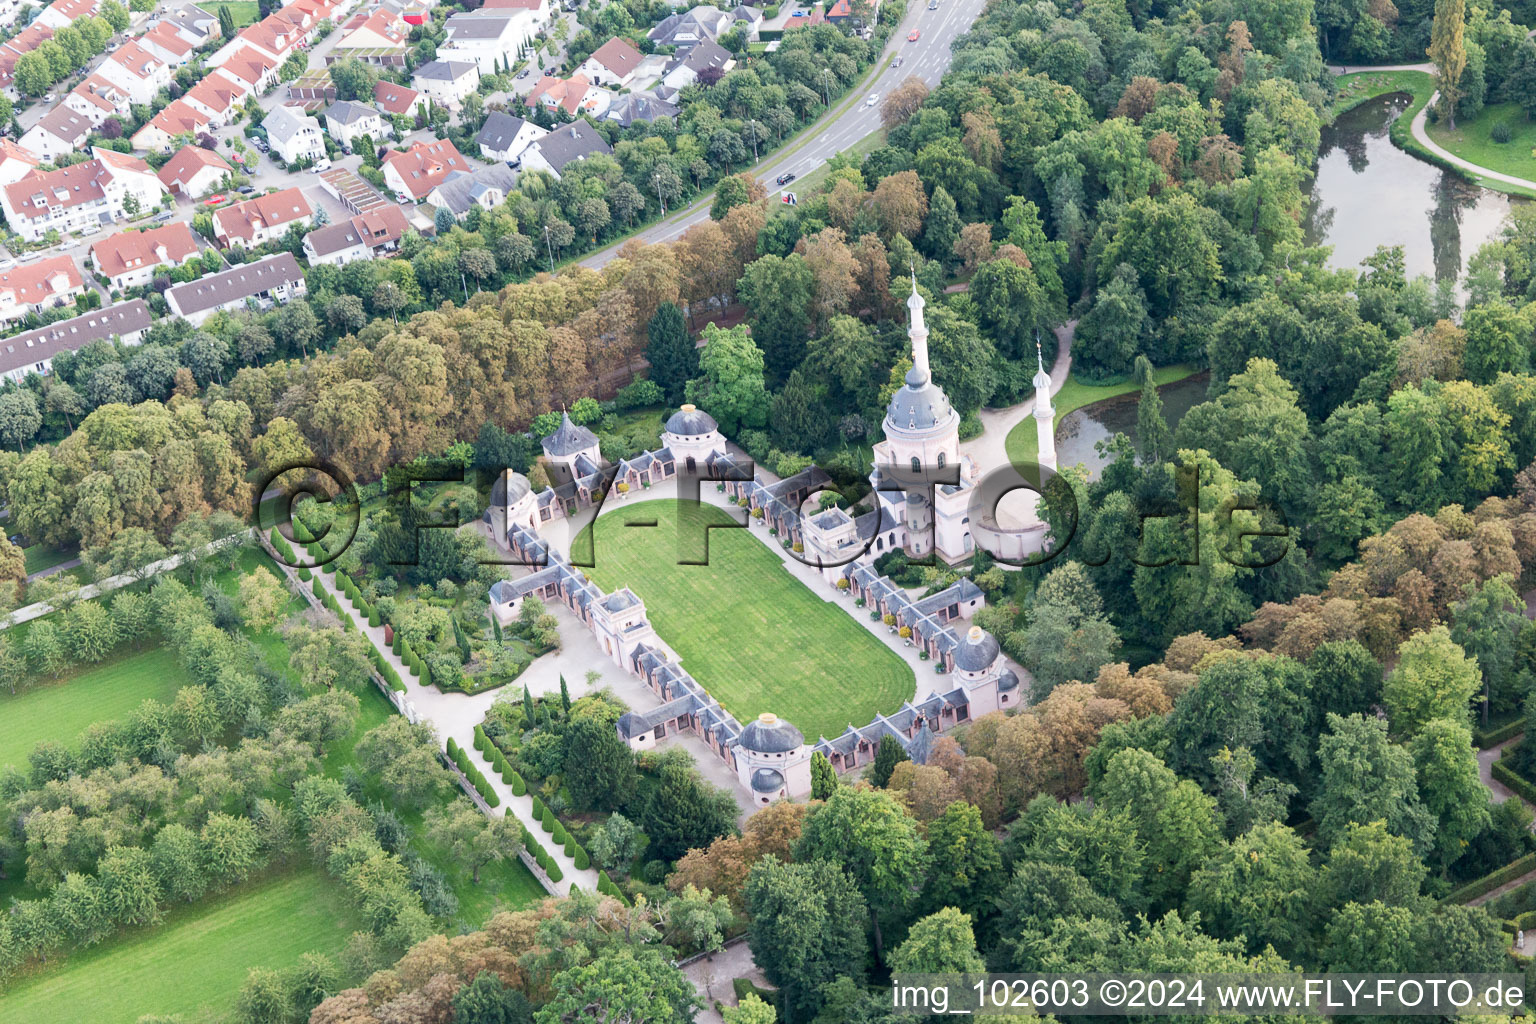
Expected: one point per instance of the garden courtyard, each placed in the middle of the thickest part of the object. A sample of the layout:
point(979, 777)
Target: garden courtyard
point(755, 636)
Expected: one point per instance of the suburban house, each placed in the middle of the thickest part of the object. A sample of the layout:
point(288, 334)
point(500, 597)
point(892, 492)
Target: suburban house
point(630, 107)
point(16, 162)
point(192, 23)
point(491, 39)
point(33, 351)
point(250, 70)
point(416, 172)
point(686, 69)
point(130, 258)
point(447, 82)
point(294, 136)
point(574, 95)
point(165, 42)
point(179, 119)
point(346, 121)
point(34, 287)
point(137, 70)
point(81, 197)
point(504, 137)
point(564, 146)
point(59, 131)
point(485, 187)
point(687, 28)
point(396, 100)
point(542, 10)
point(194, 172)
point(64, 12)
point(263, 284)
point(18, 46)
point(613, 64)
point(371, 233)
point(380, 38)
point(218, 97)
point(262, 218)
point(97, 99)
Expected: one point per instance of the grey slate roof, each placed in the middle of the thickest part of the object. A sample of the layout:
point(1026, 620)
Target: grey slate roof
point(347, 112)
point(769, 734)
point(575, 141)
point(444, 70)
point(640, 106)
point(283, 123)
point(499, 131)
point(459, 190)
point(977, 651)
point(766, 780)
point(32, 347)
point(241, 282)
point(568, 438)
point(690, 422)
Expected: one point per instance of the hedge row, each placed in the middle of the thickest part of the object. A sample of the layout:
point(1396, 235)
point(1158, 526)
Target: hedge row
point(1485, 738)
point(473, 774)
point(606, 887)
point(282, 547)
point(1507, 775)
point(1508, 873)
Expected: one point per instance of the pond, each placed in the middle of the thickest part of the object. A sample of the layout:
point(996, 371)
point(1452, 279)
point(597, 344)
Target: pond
point(1081, 429)
point(1368, 193)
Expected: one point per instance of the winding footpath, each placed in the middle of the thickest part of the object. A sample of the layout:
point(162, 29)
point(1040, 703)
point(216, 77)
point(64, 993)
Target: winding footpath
point(1421, 134)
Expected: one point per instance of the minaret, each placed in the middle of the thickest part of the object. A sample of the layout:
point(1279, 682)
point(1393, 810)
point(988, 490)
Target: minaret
point(1045, 414)
point(918, 332)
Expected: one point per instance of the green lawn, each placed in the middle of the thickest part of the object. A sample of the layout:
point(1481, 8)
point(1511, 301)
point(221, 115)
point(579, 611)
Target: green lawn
point(1022, 445)
point(1473, 140)
point(42, 556)
point(754, 636)
point(195, 962)
point(59, 711)
point(1355, 89)
point(245, 12)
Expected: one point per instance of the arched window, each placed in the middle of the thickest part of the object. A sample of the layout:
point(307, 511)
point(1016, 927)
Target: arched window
point(879, 543)
point(917, 467)
point(941, 460)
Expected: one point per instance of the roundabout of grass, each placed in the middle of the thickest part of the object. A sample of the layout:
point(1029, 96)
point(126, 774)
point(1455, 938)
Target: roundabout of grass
point(751, 633)
point(1022, 444)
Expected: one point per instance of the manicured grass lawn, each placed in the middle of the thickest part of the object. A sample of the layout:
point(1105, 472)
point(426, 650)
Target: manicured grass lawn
point(756, 637)
point(1022, 445)
point(59, 711)
point(196, 960)
point(1473, 140)
point(1355, 89)
point(41, 556)
point(245, 12)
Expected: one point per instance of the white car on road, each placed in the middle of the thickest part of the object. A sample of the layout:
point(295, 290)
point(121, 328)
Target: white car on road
point(874, 98)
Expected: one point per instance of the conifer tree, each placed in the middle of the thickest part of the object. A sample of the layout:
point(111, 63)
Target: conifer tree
point(1448, 49)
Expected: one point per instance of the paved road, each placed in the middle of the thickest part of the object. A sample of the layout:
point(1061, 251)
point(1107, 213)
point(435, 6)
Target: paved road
point(927, 59)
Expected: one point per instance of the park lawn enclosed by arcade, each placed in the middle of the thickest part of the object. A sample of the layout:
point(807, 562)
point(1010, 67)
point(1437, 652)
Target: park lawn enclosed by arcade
point(755, 636)
point(61, 710)
point(195, 961)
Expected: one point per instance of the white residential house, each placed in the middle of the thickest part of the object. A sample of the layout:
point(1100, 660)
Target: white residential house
point(178, 120)
point(130, 258)
point(261, 219)
point(16, 162)
point(564, 146)
point(504, 136)
point(490, 39)
point(347, 121)
point(293, 135)
point(613, 64)
point(137, 70)
point(35, 287)
point(447, 82)
point(194, 172)
point(60, 131)
point(81, 197)
point(686, 69)
point(267, 282)
point(33, 351)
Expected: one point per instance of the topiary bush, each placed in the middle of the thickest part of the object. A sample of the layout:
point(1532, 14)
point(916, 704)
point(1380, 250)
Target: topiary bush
point(538, 808)
point(453, 748)
point(519, 787)
point(582, 858)
point(305, 574)
point(571, 847)
point(554, 872)
point(374, 618)
point(547, 820)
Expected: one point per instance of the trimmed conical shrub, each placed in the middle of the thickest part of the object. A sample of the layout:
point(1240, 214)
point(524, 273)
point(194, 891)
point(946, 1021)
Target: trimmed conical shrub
point(554, 872)
point(571, 847)
point(374, 618)
point(582, 859)
point(453, 748)
point(547, 820)
point(519, 787)
point(538, 808)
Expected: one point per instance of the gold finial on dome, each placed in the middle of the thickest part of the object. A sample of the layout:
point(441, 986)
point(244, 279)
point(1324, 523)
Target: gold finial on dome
point(973, 634)
point(688, 407)
point(768, 718)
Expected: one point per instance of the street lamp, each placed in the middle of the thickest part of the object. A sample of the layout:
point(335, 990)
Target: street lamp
point(551, 249)
point(657, 181)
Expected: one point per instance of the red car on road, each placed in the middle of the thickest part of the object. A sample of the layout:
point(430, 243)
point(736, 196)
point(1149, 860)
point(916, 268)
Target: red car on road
point(913, 37)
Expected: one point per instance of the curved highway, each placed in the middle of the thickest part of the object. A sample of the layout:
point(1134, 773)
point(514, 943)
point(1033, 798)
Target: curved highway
point(927, 59)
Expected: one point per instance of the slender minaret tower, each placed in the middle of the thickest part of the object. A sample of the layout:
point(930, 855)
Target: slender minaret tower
point(1045, 414)
point(918, 332)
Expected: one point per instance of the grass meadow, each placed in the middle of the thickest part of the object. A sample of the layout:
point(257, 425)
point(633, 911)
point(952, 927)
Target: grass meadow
point(755, 636)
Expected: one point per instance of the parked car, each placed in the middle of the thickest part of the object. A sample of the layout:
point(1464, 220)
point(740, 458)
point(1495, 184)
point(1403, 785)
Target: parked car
point(784, 179)
point(322, 164)
point(246, 190)
point(214, 200)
